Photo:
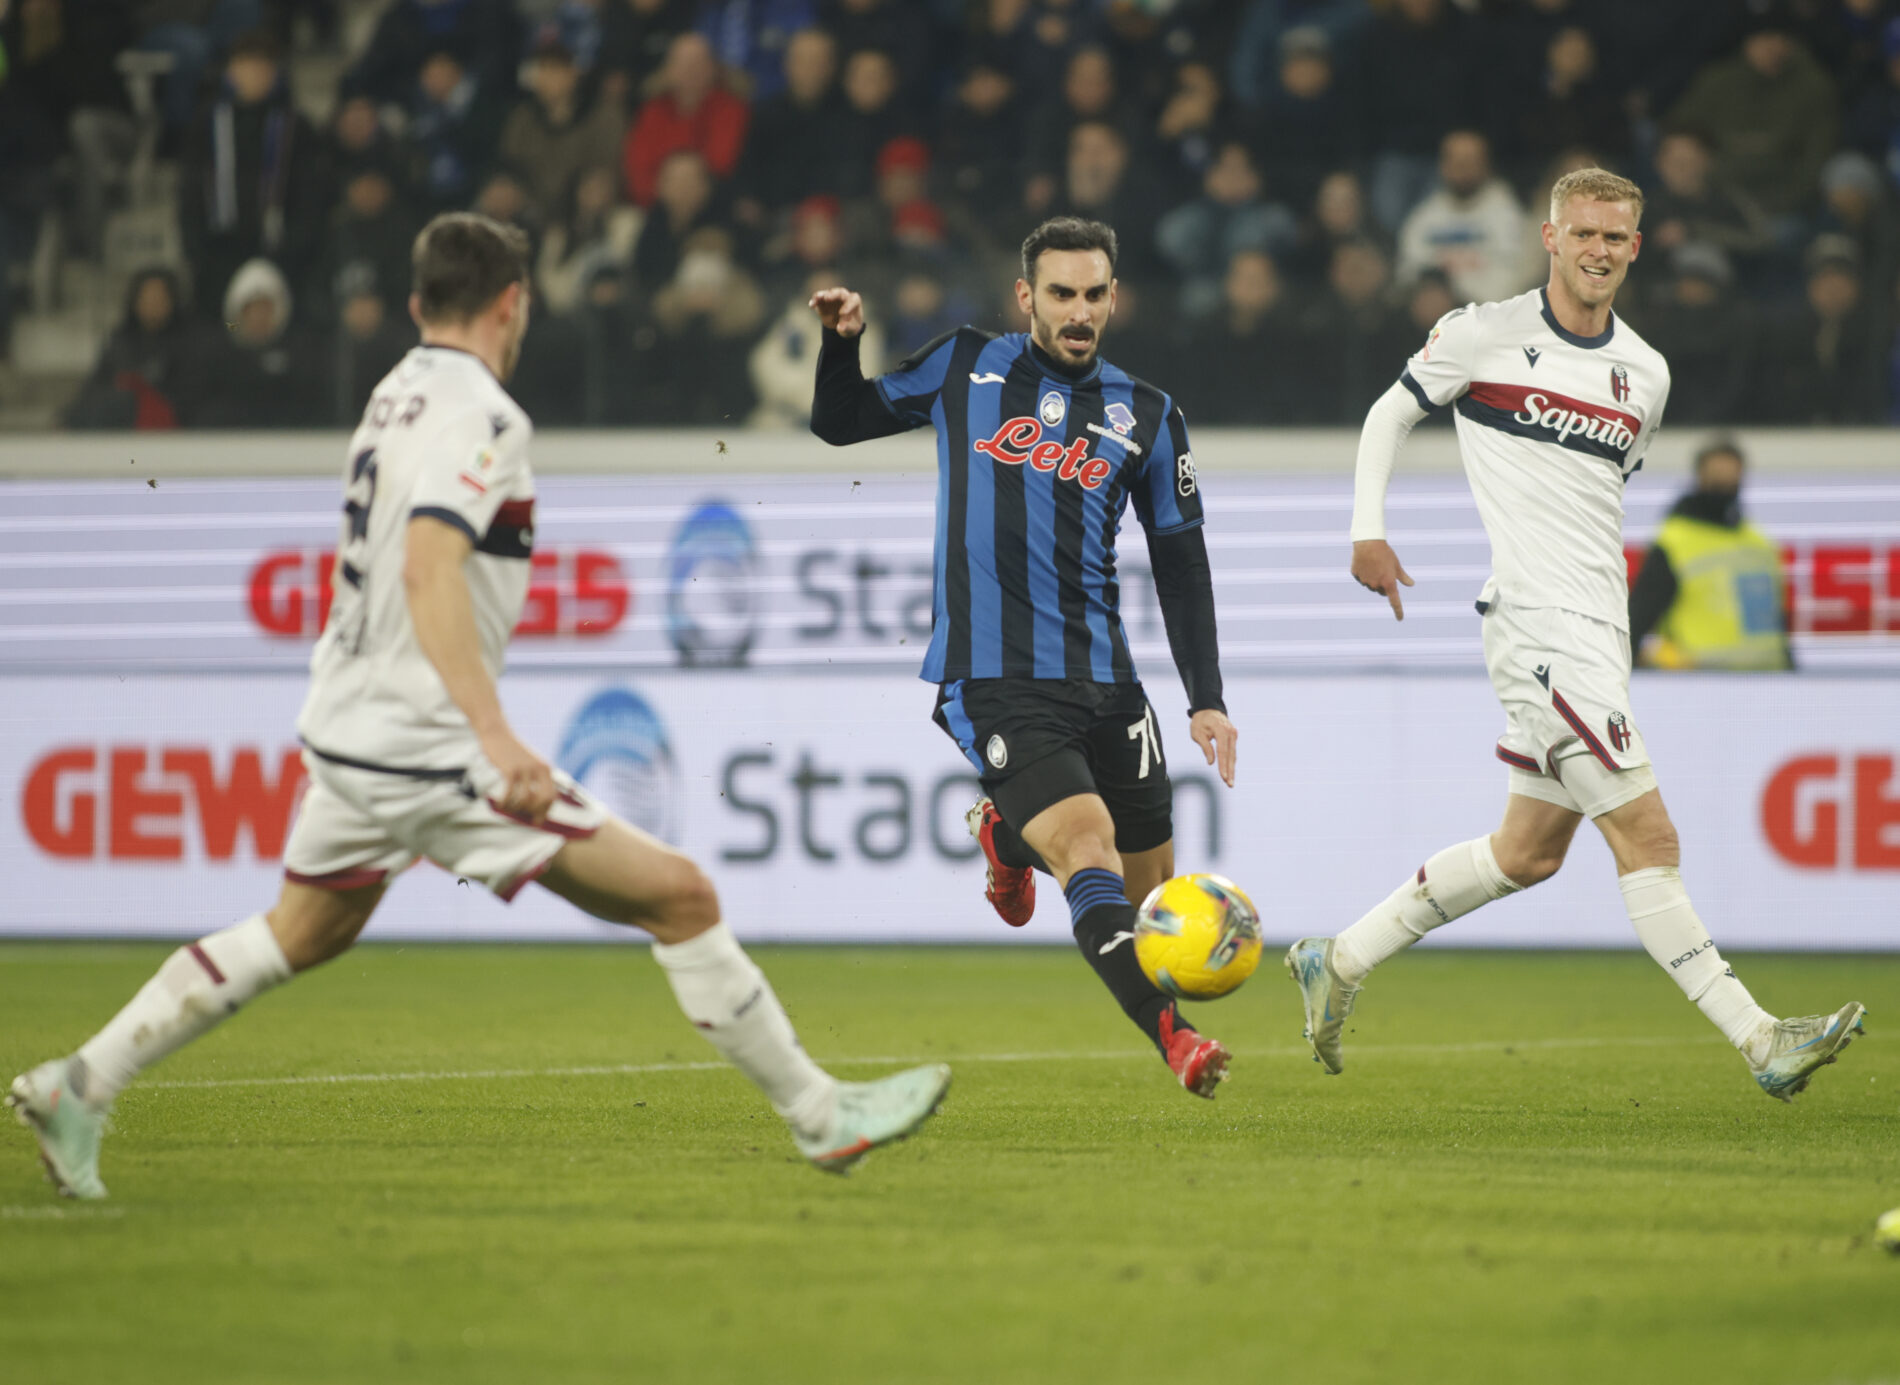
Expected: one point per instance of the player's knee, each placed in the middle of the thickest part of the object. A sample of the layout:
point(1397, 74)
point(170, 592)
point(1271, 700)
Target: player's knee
point(691, 904)
point(1083, 847)
point(1527, 863)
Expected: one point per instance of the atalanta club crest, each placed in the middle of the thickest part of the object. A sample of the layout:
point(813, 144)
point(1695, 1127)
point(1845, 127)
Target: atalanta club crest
point(1619, 724)
point(1620, 383)
point(1052, 409)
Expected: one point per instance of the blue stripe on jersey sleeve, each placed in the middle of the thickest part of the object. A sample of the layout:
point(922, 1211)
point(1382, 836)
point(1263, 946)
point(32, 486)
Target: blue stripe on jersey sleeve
point(1418, 392)
point(910, 390)
point(448, 517)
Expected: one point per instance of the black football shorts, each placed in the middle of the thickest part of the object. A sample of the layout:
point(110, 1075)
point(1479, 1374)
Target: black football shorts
point(1037, 741)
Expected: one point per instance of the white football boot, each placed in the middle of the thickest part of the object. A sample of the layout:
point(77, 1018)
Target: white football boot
point(1327, 999)
point(1798, 1048)
point(66, 1125)
point(870, 1114)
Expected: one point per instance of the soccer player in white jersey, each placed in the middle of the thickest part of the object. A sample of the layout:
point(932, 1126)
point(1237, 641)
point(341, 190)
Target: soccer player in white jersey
point(1556, 402)
point(410, 755)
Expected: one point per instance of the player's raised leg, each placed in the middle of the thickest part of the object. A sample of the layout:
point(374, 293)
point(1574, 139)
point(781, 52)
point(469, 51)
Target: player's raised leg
point(1527, 848)
point(1784, 1054)
point(65, 1102)
point(1076, 836)
point(624, 876)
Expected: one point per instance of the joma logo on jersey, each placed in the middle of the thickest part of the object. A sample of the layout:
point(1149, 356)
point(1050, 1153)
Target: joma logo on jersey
point(1020, 442)
point(1538, 412)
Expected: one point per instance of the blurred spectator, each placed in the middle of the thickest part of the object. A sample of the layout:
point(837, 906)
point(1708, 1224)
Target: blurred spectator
point(1308, 123)
point(1231, 214)
point(577, 26)
point(1260, 42)
point(683, 204)
point(1359, 341)
point(592, 232)
point(976, 147)
point(358, 139)
point(814, 239)
point(28, 146)
point(370, 340)
point(1033, 38)
point(1874, 112)
point(192, 33)
point(907, 217)
point(1419, 81)
point(792, 147)
point(749, 38)
point(139, 378)
point(60, 53)
point(923, 308)
point(691, 112)
point(254, 181)
point(1469, 229)
point(551, 135)
point(619, 372)
point(1088, 96)
point(261, 372)
point(1338, 216)
point(1772, 113)
point(1248, 363)
point(371, 236)
point(785, 360)
point(1193, 116)
point(871, 118)
point(1826, 363)
point(1687, 203)
point(1705, 331)
point(901, 28)
point(1856, 204)
point(1576, 102)
point(708, 315)
point(1711, 592)
point(634, 38)
point(503, 197)
point(455, 119)
point(483, 36)
point(1099, 184)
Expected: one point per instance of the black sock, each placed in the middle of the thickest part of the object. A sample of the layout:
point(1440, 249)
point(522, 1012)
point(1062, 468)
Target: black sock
point(1104, 930)
point(1013, 851)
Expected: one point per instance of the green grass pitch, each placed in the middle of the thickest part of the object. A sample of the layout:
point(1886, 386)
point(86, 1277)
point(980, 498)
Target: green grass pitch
point(1536, 1168)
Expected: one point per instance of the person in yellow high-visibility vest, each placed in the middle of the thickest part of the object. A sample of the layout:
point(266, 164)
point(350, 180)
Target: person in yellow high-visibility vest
point(1711, 592)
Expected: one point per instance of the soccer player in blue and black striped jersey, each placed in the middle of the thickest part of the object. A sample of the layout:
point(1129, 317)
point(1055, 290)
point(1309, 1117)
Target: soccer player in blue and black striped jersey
point(1040, 445)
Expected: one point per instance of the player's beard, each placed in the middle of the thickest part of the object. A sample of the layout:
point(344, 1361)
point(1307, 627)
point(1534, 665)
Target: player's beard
point(1595, 293)
point(1048, 336)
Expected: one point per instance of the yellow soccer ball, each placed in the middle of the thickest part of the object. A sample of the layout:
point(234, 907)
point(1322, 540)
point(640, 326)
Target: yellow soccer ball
point(1197, 936)
point(1887, 1231)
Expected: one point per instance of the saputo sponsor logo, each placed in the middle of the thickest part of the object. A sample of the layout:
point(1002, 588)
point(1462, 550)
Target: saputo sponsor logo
point(1568, 421)
point(142, 802)
point(1834, 811)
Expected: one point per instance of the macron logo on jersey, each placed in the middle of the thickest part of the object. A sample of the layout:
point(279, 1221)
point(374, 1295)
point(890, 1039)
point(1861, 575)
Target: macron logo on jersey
point(1545, 416)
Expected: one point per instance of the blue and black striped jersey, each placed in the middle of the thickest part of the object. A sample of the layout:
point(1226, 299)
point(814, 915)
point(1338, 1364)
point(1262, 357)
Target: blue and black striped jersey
point(1034, 468)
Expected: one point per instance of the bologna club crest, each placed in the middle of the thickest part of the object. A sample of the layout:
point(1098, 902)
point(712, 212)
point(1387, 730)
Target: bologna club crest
point(1619, 724)
point(1619, 383)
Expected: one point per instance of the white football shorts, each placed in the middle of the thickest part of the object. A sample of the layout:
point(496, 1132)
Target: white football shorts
point(1564, 680)
point(359, 826)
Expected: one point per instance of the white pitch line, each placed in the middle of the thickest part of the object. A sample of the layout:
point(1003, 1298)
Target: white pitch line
point(635, 1069)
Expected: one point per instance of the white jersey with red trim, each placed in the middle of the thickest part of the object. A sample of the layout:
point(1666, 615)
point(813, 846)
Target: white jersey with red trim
point(440, 438)
point(1550, 425)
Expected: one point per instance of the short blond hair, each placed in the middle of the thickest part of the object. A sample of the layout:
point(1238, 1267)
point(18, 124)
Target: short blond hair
point(1596, 185)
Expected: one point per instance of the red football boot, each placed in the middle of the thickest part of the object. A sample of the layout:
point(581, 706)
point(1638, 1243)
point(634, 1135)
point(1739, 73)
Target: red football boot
point(1011, 890)
point(1200, 1063)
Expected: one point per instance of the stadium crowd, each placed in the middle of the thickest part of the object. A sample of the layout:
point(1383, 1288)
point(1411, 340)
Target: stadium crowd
point(1301, 187)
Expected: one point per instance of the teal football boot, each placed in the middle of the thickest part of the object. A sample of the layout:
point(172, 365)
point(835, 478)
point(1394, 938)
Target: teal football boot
point(1327, 999)
point(870, 1114)
point(1798, 1048)
point(66, 1125)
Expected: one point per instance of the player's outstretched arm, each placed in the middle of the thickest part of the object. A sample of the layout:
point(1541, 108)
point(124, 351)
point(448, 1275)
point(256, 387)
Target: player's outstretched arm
point(1388, 423)
point(444, 619)
point(845, 407)
point(1376, 568)
point(1184, 585)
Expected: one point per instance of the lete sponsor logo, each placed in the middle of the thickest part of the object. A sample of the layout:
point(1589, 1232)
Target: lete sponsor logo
point(129, 802)
point(571, 591)
point(1830, 811)
point(1019, 442)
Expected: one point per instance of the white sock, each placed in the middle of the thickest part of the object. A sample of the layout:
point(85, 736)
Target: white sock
point(197, 987)
point(1666, 922)
point(1451, 884)
point(729, 1000)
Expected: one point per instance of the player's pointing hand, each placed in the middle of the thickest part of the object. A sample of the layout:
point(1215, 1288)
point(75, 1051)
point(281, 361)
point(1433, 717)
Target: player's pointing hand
point(1218, 740)
point(1376, 568)
point(839, 309)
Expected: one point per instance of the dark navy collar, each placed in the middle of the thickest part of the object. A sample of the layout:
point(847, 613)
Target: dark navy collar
point(1565, 334)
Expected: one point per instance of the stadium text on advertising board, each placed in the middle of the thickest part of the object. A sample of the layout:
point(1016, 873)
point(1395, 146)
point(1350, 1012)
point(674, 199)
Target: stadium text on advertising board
point(1801, 812)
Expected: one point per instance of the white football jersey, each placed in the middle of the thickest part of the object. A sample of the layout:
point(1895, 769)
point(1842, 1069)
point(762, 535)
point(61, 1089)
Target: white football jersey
point(440, 438)
point(1550, 425)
